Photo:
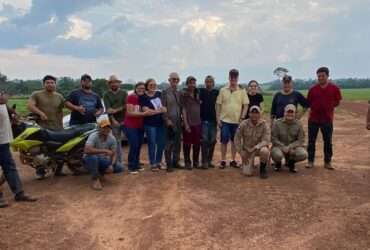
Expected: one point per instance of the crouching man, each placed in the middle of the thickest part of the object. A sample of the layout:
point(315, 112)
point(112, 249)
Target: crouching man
point(100, 152)
point(252, 139)
point(288, 139)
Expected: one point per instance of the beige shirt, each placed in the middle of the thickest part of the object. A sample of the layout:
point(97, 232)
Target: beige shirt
point(232, 104)
point(6, 135)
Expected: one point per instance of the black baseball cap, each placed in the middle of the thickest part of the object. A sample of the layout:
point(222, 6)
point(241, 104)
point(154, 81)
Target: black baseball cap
point(287, 78)
point(234, 73)
point(86, 77)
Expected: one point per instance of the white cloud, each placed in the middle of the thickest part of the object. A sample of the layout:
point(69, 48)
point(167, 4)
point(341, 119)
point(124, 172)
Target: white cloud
point(204, 28)
point(3, 19)
point(23, 6)
point(79, 29)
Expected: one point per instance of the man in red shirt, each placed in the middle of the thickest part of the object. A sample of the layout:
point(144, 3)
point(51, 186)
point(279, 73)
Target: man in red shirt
point(323, 98)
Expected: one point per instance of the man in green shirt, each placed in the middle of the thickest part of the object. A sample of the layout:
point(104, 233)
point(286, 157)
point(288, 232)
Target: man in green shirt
point(115, 105)
point(48, 104)
point(288, 140)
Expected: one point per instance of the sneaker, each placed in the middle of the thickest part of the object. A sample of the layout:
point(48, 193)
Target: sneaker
point(310, 164)
point(204, 166)
point(155, 168)
point(210, 165)
point(277, 167)
point(234, 164)
point(222, 165)
point(24, 198)
point(134, 172)
point(162, 167)
point(96, 185)
point(141, 169)
point(329, 166)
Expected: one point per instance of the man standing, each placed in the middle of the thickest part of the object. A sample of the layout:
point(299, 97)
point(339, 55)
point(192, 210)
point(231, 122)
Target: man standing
point(208, 97)
point(100, 152)
point(48, 104)
point(6, 160)
point(115, 104)
point(171, 101)
point(323, 98)
point(84, 103)
point(231, 107)
point(288, 139)
point(287, 96)
point(252, 139)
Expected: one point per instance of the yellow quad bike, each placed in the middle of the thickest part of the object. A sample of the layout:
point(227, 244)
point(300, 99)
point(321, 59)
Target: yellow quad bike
point(43, 148)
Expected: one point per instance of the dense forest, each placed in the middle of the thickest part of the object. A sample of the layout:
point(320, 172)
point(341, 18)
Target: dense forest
point(67, 84)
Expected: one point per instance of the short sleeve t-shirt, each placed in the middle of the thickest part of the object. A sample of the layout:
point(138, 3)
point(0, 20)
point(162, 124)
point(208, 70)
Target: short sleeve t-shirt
point(95, 141)
point(281, 100)
point(6, 135)
point(51, 104)
point(152, 102)
point(254, 100)
point(90, 101)
point(132, 121)
point(232, 104)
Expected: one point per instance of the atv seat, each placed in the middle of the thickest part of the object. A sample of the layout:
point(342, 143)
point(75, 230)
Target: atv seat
point(67, 134)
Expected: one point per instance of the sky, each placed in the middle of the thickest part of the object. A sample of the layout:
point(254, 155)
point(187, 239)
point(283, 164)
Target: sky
point(138, 39)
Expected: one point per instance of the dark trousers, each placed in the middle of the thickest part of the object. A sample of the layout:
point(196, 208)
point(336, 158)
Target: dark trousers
point(173, 145)
point(9, 169)
point(209, 133)
point(135, 137)
point(327, 135)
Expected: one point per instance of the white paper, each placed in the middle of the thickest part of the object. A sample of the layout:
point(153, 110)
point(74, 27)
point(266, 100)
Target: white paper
point(157, 104)
point(6, 135)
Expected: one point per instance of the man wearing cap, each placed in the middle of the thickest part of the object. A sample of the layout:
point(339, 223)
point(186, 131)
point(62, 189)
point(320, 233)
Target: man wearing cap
point(252, 139)
point(208, 97)
point(323, 98)
point(286, 96)
point(84, 103)
point(100, 152)
point(288, 140)
point(170, 99)
point(231, 107)
point(114, 101)
point(7, 163)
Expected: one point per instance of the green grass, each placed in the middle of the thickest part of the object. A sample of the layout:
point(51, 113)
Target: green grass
point(348, 94)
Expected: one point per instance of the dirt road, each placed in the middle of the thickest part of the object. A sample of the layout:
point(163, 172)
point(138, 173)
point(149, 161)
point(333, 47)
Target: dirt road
point(212, 209)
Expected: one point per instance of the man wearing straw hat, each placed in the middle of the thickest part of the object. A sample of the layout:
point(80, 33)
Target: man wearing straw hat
point(100, 152)
point(114, 101)
point(252, 139)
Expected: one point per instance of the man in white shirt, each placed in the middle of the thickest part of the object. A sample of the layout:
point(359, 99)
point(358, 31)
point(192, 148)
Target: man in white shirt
point(6, 160)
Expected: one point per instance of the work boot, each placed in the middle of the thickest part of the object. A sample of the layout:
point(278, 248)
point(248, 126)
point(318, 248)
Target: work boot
point(310, 164)
point(263, 171)
point(277, 166)
point(291, 165)
point(22, 197)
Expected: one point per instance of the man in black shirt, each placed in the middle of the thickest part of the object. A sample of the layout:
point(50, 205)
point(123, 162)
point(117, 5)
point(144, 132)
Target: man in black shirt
point(208, 97)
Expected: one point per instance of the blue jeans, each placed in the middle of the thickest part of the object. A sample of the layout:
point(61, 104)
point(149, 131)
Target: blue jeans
point(97, 165)
point(209, 134)
point(155, 137)
point(135, 137)
point(9, 169)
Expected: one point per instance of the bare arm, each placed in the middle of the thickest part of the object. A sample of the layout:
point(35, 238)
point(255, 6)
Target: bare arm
point(34, 109)
point(244, 112)
point(218, 114)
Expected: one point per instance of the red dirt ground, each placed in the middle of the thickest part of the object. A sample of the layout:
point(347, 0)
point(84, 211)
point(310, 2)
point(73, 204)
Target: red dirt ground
point(212, 209)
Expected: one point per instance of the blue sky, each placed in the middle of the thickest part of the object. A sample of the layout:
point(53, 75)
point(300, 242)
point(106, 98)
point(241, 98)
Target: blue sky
point(151, 38)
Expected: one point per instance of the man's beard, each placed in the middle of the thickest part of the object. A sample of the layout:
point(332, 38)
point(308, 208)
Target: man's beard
point(86, 87)
point(114, 89)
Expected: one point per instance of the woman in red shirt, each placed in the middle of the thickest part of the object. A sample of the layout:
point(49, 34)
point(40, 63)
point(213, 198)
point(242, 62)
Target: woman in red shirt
point(133, 126)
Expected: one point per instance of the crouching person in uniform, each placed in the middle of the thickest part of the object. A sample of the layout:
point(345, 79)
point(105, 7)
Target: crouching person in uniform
point(288, 139)
point(252, 139)
point(100, 152)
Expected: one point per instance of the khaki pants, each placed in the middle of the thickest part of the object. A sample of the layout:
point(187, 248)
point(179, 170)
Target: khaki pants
point(298, 154)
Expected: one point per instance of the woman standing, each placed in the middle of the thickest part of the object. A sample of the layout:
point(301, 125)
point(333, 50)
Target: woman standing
point(255, 98)
point(133, 126)
point(153, 124)
point(192, 122)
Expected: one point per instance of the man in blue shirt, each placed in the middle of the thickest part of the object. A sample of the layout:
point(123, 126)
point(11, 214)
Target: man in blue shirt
point(287, 96)
point(84, 103)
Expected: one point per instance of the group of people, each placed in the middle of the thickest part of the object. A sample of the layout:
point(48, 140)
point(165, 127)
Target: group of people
point(191, 117)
